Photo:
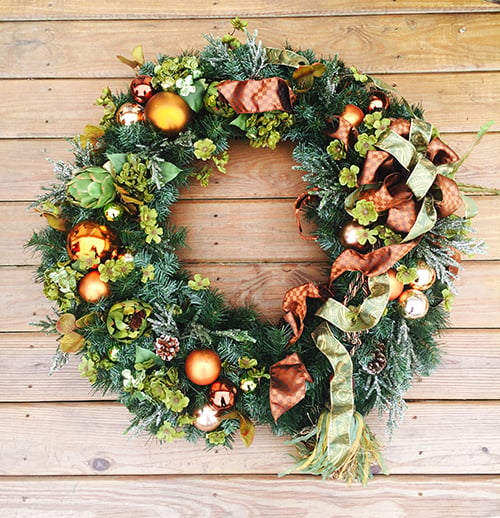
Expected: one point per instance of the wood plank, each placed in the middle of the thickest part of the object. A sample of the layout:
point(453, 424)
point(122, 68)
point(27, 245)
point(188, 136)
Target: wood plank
point(62, 107)
point(470, 370)
point(87, 438)
point(262, 286)
point(215, 229)
point(294, 497)
point(409, 43)
point(152, 9)
point(256, 173)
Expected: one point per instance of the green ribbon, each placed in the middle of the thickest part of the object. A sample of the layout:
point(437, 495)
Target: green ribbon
point(365, 316)
point(341, 395)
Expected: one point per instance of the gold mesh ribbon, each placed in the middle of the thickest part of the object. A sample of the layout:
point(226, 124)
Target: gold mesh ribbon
point(288, 384)
point(344, 446)
point(258, 95)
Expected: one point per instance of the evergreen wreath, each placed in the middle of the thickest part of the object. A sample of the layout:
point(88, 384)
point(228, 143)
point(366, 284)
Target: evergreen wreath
point(187, 365)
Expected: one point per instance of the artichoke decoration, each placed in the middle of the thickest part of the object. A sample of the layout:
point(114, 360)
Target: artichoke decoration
point(91, 188)
point(128, 320)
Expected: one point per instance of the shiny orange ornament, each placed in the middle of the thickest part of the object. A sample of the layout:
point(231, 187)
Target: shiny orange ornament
point(89, 238)
point(202, 366)
point(91, 288)
point(349, 236)
point(168, 112)
point(206, 419)
point(353, 114)
point(222, 395)
point(396, 286)
point(141, 89)
point(378, 101)
point(129, 113)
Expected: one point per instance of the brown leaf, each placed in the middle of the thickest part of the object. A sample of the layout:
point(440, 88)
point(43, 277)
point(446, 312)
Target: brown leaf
point(247, 428)
point(66, 323)
point(72, 342)
point(55, 222)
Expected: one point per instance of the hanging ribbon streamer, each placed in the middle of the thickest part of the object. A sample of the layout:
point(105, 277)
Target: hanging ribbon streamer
point(288, 384)
point(258, 95)
point(345, 448)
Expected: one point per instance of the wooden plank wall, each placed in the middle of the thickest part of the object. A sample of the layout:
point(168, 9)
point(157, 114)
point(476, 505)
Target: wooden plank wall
point(62, 450)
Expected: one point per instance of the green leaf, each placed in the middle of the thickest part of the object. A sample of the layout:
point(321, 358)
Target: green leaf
point(117, 160)
point(195, 99)
point(169, 171)
point(240, 121)
point(143, 355)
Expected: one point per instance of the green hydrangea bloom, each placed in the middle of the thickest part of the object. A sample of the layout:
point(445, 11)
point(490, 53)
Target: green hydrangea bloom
point(204, 149)
point(198, 283)
point(364, 212)
point(365, 143)
point(336, 149)
point(358, 76)
point(266, 129)
point(176, 400)
point(216, 438)
point(167, 433)
point(405, 274)
point(366, 235)
point(246, 363)
point(148, 273)
point(348, 176)
point(87, 369)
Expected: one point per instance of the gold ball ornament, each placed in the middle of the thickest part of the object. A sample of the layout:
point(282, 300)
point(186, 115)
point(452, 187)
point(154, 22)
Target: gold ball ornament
point(353, 114)
point(91, 288)
point(113, 211)
point(413, 304)
point(426, 277)
point(141, 89)
point(88, 238)
point(202, 366)
point(129, 113)
point(168, 112)
point(349, 236)
point(222, 395)
point(396, 287)
point(206, 418)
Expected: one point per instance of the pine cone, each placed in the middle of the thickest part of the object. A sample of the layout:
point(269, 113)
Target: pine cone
point(167, 347)
point(379, 362)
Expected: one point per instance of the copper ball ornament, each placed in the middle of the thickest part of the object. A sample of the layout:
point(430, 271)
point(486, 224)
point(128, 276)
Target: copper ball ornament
point(378, 101)
point(206, 418)
point(222, 395)
point(426, 277)
point(91, 288)
point(88, 238)
point(168, 112)
point(353, 114)
point(129, 113)
point(349, 236)
point(202, 366)
point(396, 287)
point(413, 304)
point(141, 89)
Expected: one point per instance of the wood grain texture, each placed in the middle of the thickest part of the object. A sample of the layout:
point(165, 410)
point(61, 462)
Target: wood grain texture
point(62, 107)
point(470, 369)
point(262, 286)
point(87, 438)
point(245, 497)
point(252, 173)
point(206, 9)
point(401, 43)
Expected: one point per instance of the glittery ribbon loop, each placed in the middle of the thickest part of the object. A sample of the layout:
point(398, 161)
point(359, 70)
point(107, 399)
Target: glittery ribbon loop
point(258, 95)
point(288, 384)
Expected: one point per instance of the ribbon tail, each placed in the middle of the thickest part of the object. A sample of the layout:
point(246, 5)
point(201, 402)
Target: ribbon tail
point(341, 444)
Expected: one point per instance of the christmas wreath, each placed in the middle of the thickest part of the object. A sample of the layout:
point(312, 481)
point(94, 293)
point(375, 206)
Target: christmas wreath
point(384, 203)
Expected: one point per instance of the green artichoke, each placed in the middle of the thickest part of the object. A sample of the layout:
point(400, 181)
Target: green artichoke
point(128, 320)
point(91, 188)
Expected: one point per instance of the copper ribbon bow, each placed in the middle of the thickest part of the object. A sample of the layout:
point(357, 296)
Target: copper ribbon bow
point(288, 384)
point(401, 191)
point(258, 95)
